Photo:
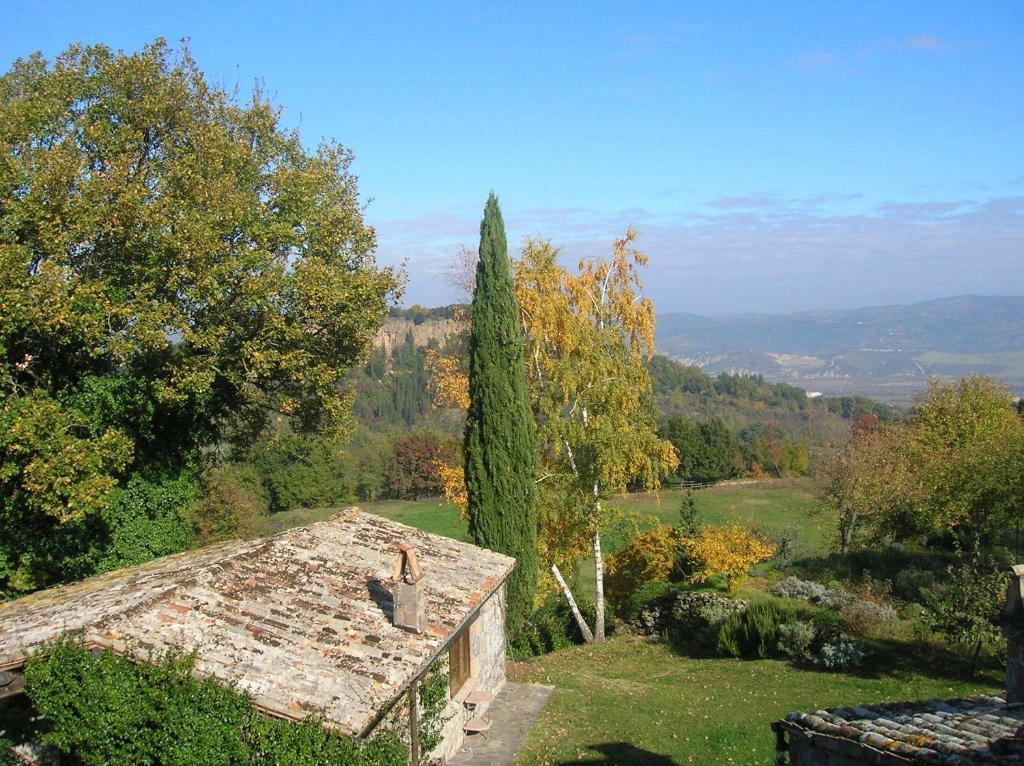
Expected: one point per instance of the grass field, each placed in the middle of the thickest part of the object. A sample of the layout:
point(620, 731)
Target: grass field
point(769, 506)
point(632, 702)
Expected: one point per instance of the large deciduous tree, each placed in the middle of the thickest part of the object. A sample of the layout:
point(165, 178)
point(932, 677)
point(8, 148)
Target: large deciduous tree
point(500, 448)
point(587, 336)
point(174, 266)
point(954, 468)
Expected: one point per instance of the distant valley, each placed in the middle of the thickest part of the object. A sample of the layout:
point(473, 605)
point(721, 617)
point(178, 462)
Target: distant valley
point(886, 352)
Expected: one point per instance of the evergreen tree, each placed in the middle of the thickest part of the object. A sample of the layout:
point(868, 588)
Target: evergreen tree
point(500, 448)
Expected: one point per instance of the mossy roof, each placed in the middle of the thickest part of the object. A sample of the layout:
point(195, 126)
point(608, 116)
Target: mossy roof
point(969, 731)
point(301, 621)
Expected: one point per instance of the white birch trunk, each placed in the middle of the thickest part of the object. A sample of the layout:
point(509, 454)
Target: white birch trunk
point(599, 589)
point(598, 568)
point(584, 628)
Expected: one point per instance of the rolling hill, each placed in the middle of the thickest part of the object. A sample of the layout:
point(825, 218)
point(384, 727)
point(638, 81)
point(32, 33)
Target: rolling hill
point(887, 352)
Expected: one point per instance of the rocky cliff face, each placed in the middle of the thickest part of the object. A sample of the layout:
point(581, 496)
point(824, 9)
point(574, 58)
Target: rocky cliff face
point(394, 332)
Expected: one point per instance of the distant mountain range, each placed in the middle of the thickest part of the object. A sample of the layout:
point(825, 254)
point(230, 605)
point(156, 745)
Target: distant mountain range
point(887, 352)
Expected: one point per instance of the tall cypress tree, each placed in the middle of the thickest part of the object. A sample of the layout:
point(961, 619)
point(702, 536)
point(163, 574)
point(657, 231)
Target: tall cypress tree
point(500, 447)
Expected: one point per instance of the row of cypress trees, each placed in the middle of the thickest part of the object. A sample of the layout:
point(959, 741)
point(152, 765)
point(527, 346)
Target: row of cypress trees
point(500, 445)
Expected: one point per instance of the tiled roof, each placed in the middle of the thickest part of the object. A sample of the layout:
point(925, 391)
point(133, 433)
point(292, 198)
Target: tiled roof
point(300, 621)
point(969, 732)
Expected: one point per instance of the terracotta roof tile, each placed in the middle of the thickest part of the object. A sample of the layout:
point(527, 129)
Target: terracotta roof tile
point(971, 731)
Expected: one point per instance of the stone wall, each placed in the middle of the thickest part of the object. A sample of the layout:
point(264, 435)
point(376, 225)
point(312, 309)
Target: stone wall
point(815, 749)
point(487, 664)
point(802, 752)
point(488, 643)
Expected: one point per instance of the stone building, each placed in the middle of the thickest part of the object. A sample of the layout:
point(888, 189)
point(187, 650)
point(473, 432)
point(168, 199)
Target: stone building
point(986, 730)
point(304, 622)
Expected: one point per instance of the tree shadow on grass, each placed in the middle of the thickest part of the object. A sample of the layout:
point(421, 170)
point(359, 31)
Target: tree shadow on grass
point(881, 563)
point(622, 754)
point(888, 658)
point(891, 658)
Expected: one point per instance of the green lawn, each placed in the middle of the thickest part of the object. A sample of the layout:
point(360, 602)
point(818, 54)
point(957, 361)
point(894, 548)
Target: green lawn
point(631, 702)
point(769, 506)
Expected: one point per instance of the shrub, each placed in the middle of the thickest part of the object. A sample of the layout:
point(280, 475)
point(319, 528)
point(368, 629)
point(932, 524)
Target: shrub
point(815, 592)
point(549, 628)
point(787, 546)
point(730, 550)
point(966, 607)
point(694, 618)
point(863, 616)
point(840, 655)
point(685, 565)
point(885, 564)
point(794, 587)
point(108, 710)
point(647, 557)
point(835, 598)
point(911, 584)
point(828, 627)
point(688, 524)
point(795, 640)
point(753, 633)
point(542, 633)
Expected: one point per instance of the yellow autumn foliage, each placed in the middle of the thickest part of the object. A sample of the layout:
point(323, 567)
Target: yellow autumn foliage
point(648, 557)
point(587, 335)
point(448, 380)
point(453, 481)
point(730, 550)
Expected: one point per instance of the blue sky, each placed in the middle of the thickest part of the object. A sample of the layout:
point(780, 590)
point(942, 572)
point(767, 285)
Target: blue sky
point(773, 156)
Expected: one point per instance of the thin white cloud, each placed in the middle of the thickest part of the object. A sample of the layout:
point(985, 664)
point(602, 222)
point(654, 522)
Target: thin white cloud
point(928, 43)
point(756, 201)
point(791, 255)
point(818, 61)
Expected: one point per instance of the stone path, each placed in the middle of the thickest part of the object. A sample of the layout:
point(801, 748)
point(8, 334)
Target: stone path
point(511, 715)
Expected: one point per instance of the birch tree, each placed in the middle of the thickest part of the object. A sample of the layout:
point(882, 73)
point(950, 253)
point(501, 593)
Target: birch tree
point(587, 335)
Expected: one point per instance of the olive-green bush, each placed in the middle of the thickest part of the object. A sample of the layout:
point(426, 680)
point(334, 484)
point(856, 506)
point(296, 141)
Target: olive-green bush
point(754, 632)
point(109, 711)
